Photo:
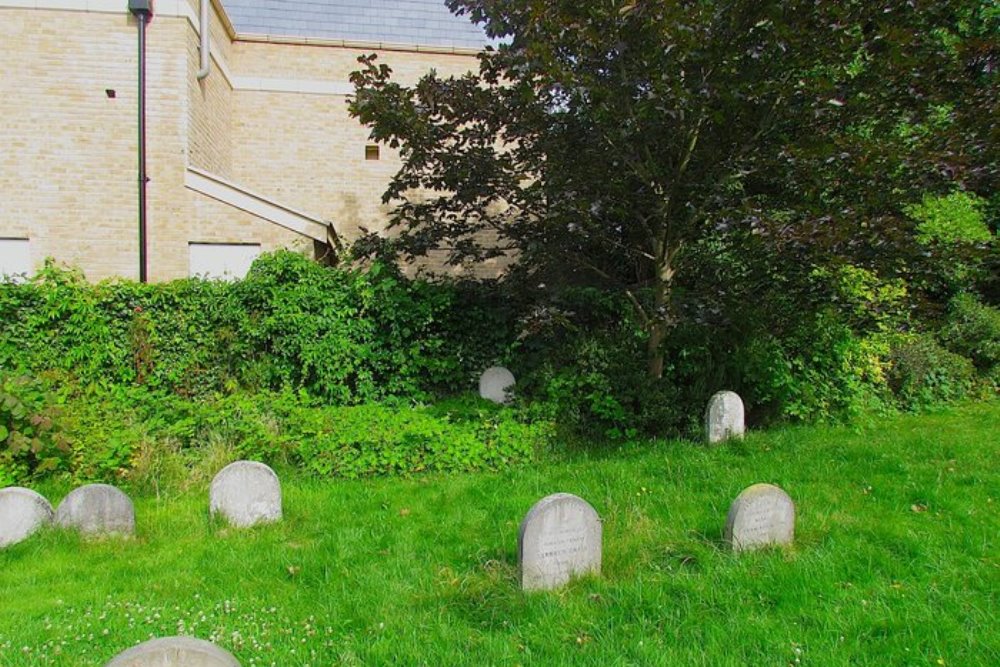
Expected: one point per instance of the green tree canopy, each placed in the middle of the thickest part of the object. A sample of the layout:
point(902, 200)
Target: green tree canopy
point(600, 141)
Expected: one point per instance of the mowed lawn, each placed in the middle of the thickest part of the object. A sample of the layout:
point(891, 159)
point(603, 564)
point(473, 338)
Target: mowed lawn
point(896, 562)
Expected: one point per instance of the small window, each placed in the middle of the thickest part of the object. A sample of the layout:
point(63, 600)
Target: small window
point(15, 259)
point(371, 152)
point(225, 261)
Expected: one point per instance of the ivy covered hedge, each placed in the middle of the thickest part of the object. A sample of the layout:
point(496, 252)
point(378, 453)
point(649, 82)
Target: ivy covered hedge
point(345, 336)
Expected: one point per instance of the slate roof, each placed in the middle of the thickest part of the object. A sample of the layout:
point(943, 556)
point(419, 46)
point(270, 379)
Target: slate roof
point(409, 22)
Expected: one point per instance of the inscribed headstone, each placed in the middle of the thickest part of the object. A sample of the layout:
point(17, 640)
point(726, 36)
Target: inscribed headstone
point(97, 509)
point(763, 515)
point(495, 384)
point(559, 538)
point(22, 512)
point(174, 652)
point(246, 493)
point(724, 417)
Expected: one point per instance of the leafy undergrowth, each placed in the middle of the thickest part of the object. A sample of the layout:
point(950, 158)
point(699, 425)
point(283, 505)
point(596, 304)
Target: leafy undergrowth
point(895, 563)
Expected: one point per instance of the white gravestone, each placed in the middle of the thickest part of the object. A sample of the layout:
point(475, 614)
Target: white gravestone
point(97, 509)
point(246, 493)
point(763, 515)
point(22, 512)
point(174, 652)
point(724, 417)
point(559, 538)
point(495, 384)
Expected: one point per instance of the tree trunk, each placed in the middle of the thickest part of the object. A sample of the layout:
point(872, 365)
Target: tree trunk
point(654, 349)
point(659, 323)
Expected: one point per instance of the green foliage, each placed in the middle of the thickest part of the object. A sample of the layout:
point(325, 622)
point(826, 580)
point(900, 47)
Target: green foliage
point(950, 219)
point(922, 373)
point(345, 336)
point(972, 330)
point(822, 371)
point(30, 442)
point(377, 440)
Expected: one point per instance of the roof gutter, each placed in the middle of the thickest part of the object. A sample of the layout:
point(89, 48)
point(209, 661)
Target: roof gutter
point(205, 30)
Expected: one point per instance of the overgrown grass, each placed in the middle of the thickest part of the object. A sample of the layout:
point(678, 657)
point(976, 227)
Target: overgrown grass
point(895, 563)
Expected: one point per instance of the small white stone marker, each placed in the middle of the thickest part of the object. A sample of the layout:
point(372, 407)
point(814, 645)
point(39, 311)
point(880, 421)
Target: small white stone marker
point(724, 417)
point(22, 512)
point(97, 509)
point(174, 652)
point(495, 384)
point(246, 493)
point(559, 538)
point(763, 515)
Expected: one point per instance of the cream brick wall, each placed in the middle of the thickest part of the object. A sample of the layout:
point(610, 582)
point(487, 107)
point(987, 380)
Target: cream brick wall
point(68, 162)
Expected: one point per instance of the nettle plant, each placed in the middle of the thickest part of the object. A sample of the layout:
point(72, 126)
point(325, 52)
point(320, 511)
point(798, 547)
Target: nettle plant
point(29, 440)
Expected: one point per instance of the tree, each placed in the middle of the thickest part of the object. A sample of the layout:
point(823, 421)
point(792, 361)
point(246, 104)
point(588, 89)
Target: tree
point(600, 141)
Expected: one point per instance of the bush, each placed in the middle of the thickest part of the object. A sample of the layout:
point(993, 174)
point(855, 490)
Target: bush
point(346, 336)
point(380, 440)
point(973, 330)
point(922, 373)
point(30, 441)
point(822, 371)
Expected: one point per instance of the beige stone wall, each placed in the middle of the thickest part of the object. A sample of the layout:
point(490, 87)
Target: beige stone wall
point(270, 117)
point(68, 161)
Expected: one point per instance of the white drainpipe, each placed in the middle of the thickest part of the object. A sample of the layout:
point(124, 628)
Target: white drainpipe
point(206, 62)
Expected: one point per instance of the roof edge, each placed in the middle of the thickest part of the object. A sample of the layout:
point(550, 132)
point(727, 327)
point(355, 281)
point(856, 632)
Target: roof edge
point(354, 44)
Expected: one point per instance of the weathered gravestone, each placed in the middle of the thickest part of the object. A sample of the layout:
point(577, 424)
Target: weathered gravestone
point(246, 493)
point(763, 515)
point(724, 417)
point(559, 538)
point(97, 509)
point(174, 652)
point(22, 512)
point(495, 384)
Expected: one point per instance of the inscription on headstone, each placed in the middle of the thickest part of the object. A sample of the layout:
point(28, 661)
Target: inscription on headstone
point(724, 417)
point(22, 512)
point(763, 515)
point(246, 493)
point(97, 509)
point(174, 652)
point(495, 384)
point(559, 538)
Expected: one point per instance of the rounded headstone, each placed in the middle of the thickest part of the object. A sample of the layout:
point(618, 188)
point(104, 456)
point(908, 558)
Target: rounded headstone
point(495, 384)
point(559, 538)
point(246, 493)
point(724, 417)
point(174, 652)
point(22, 512)
point(97, 509)
point(763, 515)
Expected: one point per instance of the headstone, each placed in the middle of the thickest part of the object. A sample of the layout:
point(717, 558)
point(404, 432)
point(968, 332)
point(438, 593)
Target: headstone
point(724, 417)
point(174, 652)
point(97, 509)
point(763, 515)
point(246, 493)
point(22, 512)
point(495, 384)
point(559, 538)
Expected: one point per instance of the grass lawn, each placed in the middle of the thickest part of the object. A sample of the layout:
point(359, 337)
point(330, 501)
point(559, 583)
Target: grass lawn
point(896, 562)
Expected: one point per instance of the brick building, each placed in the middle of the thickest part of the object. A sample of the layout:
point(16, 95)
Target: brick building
point(258, 154)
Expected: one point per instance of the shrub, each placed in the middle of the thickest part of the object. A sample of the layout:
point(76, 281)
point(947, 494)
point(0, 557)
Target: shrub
point(30, 442)
point(822, 371)
point(972, 330)
point(379, 440)
point(922, 373)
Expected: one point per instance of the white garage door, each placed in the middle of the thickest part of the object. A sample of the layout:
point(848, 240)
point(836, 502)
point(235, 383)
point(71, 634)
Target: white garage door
point(15, 258)
point(228, 261)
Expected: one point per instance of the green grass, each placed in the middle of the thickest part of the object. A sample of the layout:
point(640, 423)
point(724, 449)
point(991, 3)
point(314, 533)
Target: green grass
point(423, 571)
